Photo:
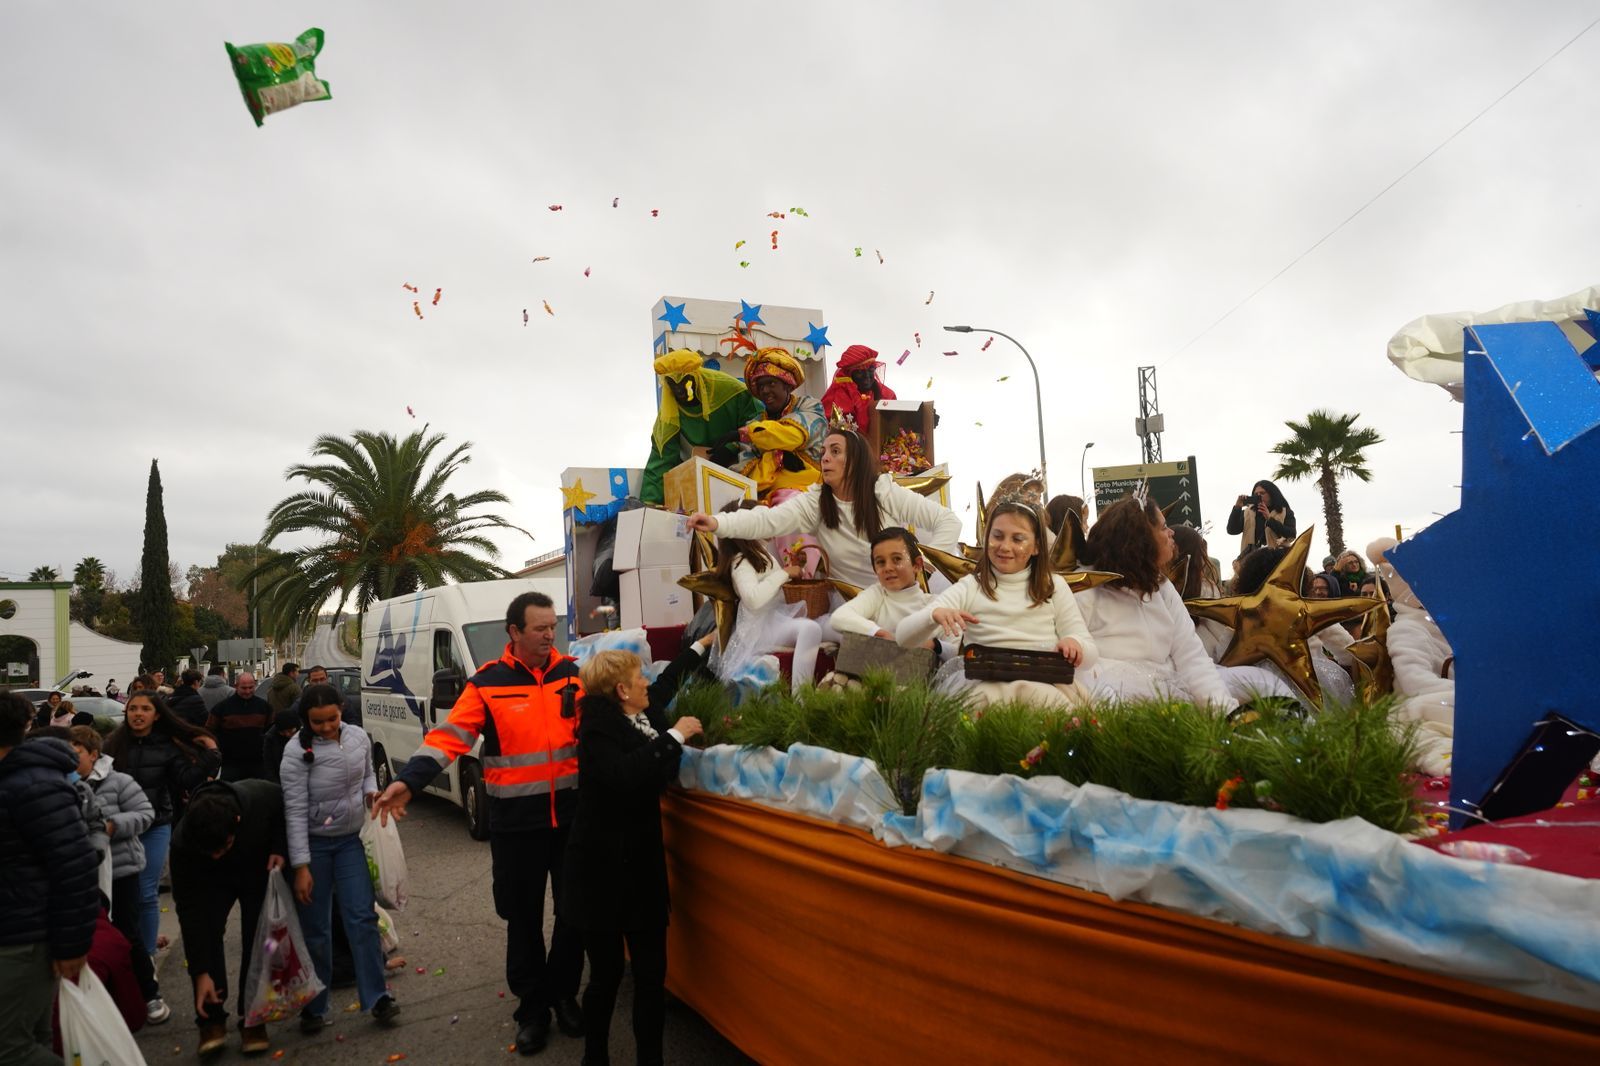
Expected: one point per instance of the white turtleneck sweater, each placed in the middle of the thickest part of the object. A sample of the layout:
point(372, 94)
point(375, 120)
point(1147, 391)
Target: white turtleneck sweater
point(1009, 620)
point(877, 608)
point(849, 554)
point(756, 590)
point(1154, 629)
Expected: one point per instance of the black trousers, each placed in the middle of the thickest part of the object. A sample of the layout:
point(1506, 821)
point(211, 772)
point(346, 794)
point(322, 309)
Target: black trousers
point(523, 862)
point(648, 950)
point(127, 906)
point(218, 897)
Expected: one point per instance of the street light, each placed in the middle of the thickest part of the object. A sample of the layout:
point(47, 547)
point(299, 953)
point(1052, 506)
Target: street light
point(1038, 395)
point(1082, 484)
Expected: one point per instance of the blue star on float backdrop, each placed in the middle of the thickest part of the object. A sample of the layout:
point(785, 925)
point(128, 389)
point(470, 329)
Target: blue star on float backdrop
point(673, 316)
point(1513, 576)
point(750, 314)
point(817, 338)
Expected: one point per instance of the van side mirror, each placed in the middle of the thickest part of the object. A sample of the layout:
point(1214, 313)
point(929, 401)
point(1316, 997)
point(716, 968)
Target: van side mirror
point(448, 684)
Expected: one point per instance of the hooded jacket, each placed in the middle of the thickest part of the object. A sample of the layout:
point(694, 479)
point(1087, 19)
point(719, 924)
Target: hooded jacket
point(130, 812)
point(282, 691)
point(51, 890)
point(187, 703)
point(214, 689)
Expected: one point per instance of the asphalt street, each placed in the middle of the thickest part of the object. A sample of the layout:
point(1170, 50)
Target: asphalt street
point(454, 1016)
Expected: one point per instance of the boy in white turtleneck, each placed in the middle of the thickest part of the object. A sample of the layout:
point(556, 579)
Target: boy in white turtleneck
point(877, 611)
point(1013, 601)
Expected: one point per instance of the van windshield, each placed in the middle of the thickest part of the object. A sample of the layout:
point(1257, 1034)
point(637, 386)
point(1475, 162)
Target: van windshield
point(486, 641)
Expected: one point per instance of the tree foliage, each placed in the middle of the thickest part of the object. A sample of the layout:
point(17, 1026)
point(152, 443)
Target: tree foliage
point(44, 573)
point(157, 615)
point(384, 524)
point(1328, 447)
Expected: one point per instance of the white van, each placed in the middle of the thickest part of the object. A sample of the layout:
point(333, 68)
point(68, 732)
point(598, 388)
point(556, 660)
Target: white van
point(417, 651)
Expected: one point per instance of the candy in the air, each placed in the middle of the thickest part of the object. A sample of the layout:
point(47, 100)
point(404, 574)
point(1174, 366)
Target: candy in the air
point(408, 286)
point(547, 309)
point(417, 307)
point(536, 259)
point(655, 212)
point(614, 200)
point(744, 262)
point(774, 240)
point(555, 207)
point(858, 253)
point(903, 357)
point(585, 271)
point(918, 338)
point(275, 77)
point(929, 300)
point(880, 256)
point(737, 245)
point(524, 316)
point(436, 294)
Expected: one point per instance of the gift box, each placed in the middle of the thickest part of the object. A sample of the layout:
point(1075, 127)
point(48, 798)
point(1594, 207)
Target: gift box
point(698, 485)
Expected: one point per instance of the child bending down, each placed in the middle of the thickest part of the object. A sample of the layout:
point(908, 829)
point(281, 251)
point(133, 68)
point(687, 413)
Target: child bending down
point(1013, 601)
point(879, 610)
point(765, 622)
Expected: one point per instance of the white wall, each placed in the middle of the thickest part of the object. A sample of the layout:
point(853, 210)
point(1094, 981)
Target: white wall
point(104, 657)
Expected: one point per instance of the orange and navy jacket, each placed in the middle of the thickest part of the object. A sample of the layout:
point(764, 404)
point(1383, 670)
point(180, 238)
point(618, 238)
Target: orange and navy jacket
point(529, 723)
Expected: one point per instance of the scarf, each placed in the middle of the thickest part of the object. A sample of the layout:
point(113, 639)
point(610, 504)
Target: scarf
point(710, 388)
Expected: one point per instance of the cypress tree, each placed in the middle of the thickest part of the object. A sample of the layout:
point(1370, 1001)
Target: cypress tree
point(158, 623)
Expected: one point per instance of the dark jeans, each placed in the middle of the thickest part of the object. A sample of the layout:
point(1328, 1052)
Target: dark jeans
point(127, 914)
point(648, 950)
point(219, 897)
point(522, 864)
point(27, 989)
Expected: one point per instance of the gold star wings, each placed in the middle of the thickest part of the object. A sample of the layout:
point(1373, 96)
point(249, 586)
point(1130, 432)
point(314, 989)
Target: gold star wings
point(1276, 622)
point(703, 581)
point(1374, 669)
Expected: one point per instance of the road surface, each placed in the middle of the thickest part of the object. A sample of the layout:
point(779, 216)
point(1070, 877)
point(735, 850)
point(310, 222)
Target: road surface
point(457, 1016)
point(323, 650)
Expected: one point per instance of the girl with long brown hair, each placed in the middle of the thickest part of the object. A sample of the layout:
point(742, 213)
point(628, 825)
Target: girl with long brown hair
point(1148, 645)
point(766, 623)
point(1014, 600)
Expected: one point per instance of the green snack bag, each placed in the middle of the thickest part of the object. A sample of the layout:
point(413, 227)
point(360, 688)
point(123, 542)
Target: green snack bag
point(274, 77)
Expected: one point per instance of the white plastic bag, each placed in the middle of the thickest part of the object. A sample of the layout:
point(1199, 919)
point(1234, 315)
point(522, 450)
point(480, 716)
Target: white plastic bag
point(93, 1032)
point(386, 863)
point(281, 979)
point(105, 872)
point(388, 935)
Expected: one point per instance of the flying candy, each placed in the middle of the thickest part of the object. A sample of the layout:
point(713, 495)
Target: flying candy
point(655, 212)
point(986, 345)
point(774, 214)
point(410, 412)
point(929, 300)
point(524, 316)
point(737, 245)
point(918, 338)
point(547, 309)
point(436, 294)
point(903, 357)
point(275, 77)
point(744, 262)
point(799, 211)
point(880, 257)
point(408, 286)
point(1003, 377)
point(952, 353)
point(614, 200)
point(774, 240)
point(929, 385)
point(586, 271)
point(858, 253)
point(536, 259)
point(417, 307)
point(555, 207)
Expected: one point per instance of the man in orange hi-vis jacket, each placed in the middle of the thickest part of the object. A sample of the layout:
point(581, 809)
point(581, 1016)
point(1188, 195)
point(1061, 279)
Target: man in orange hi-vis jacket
point(524, 706)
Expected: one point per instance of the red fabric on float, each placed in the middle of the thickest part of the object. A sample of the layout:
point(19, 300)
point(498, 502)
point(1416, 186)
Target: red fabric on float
point(807, 942)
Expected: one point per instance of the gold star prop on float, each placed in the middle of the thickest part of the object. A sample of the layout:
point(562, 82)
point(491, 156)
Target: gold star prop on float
point(703, 581)
point(922, 484)
point(1064, 558)
point(574, 498)
point(1374, 668)
point(1276, 622)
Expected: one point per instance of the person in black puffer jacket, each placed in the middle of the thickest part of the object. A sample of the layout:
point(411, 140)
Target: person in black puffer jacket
point(186, 701)
point(169, 758)
point(50, 894)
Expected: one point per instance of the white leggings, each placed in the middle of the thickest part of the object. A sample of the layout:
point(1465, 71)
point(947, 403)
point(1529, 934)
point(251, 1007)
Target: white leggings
point(806, 637)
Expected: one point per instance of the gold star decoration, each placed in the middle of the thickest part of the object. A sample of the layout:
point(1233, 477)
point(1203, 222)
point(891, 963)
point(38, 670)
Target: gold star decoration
point(574, 498)
point(1275, 623)
point(1374, 668)
point(703, 581)
point(1064, 558)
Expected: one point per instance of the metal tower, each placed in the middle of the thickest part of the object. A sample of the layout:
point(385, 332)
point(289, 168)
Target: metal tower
point(1150, 422)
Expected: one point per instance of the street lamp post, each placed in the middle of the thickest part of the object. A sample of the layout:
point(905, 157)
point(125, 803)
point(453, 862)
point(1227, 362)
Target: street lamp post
point(1082, 484)
point(1038, 395)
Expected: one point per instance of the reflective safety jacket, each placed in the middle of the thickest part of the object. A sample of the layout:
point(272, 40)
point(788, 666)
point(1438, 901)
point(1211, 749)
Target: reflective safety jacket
point(529, 723)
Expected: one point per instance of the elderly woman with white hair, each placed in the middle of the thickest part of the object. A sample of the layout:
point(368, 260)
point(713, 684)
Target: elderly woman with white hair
point(616, 867)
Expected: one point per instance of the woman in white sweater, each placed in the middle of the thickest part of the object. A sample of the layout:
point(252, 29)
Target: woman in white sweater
point(1147, 642)
point(851, 506)
point(1012, 601)
point(766, 622)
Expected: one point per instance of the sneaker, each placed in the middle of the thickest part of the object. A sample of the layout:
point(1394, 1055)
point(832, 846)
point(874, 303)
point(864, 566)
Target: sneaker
point(312, 1024)
point(156, 1011)
point(212, 1038)
point(253, 1039)
point(385, 1010)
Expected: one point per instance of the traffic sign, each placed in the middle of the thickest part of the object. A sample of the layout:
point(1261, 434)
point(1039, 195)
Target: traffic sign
point(1174, 486)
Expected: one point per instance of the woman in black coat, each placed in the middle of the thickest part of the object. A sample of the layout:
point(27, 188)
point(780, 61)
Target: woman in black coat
point(616, 866)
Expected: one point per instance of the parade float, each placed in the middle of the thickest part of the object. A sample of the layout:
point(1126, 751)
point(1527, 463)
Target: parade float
point(1254, 890)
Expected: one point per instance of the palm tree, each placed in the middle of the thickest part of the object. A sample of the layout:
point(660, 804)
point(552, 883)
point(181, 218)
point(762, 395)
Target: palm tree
point(387, 527)
point(44, 573)
point(90, 573)
point(1329, 447)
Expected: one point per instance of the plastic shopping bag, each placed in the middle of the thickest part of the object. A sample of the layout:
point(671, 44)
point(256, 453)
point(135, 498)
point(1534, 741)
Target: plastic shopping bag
point(92, 1030)
point(388, 936)
point(105, 872)
point(281, 980)
point(274, 77)
point(386, 862)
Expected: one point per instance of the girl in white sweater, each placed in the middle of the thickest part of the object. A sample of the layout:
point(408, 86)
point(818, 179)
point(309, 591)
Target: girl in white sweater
point(765, 622)
point(1148, 645)
point(1012, 601)
point(852, 504)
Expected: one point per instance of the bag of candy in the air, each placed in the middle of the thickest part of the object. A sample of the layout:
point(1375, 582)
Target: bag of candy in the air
point(274, 77)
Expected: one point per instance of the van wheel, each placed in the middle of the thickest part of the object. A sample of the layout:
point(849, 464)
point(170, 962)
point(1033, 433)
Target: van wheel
point(475, 798)
point(380, 767)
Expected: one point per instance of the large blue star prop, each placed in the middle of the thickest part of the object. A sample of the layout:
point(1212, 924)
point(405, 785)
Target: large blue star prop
point(1530, 454)
point(817, 337)
point(673, 316)
point(751, 315)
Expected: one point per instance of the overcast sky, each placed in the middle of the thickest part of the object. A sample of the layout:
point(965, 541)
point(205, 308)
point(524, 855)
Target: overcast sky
point(1099, 180)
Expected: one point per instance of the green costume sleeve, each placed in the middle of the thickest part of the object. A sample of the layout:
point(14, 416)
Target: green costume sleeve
point(661, 460)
